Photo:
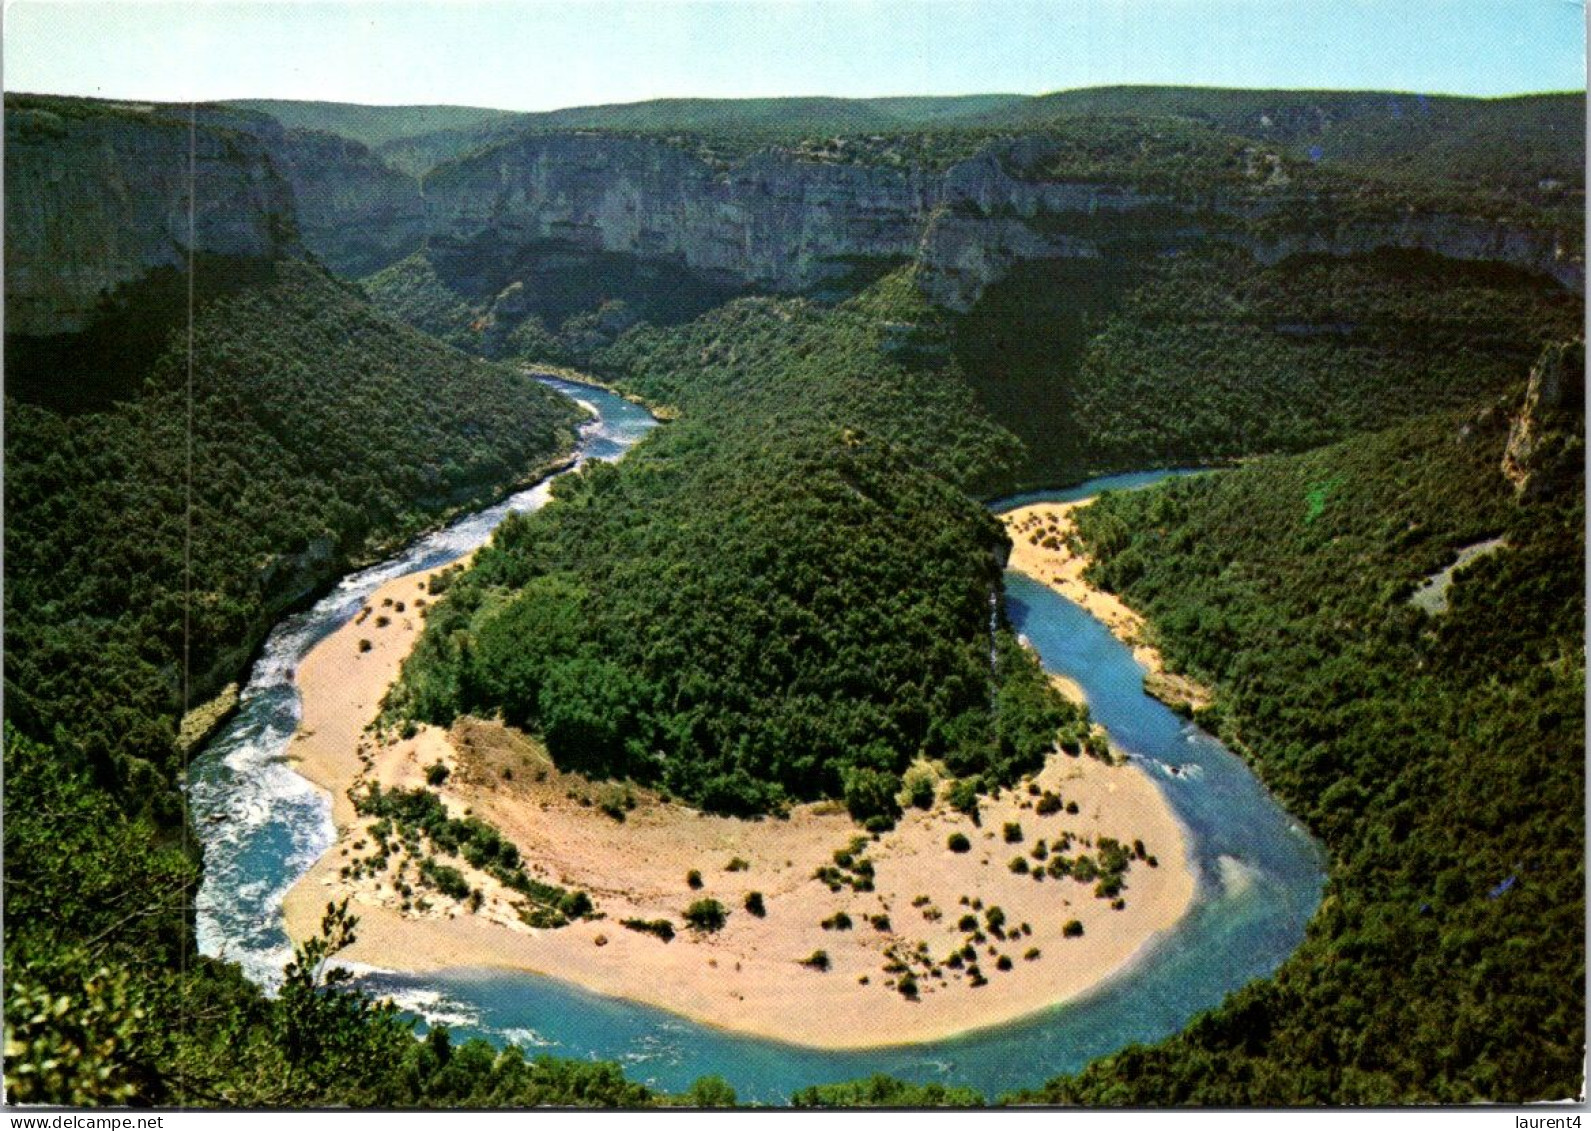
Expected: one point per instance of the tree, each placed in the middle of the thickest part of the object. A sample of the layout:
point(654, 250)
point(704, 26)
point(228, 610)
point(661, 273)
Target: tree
point(920, 783)
point(336, 1041)
point(710, 1091)
point(870, 796)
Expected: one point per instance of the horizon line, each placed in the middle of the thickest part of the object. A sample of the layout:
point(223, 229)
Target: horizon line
point(851, 98)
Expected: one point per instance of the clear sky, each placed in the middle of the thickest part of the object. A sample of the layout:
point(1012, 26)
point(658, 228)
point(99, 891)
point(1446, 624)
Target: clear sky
point(530, 55)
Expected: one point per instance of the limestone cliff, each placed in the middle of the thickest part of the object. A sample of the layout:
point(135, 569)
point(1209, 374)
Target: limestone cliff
point(1546, 439)
point(774, 222)
point(356, 213)
point(98, 197)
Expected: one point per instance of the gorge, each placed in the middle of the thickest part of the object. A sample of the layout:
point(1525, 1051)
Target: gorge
point(254, 348)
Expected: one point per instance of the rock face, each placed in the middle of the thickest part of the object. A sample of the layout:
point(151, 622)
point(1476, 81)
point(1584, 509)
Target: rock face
point(1546, 439)
point(354, 211)
point(774, 223)
point(99, 199)
point(766, 223)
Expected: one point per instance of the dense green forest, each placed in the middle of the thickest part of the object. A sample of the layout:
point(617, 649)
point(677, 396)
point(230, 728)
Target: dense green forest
point(1440, 758)
point(557, 309)
point(1208, 356)
point(790, 592)
point(780, 594)
point(1076, 367)
point(321, 432)
point(877, 362)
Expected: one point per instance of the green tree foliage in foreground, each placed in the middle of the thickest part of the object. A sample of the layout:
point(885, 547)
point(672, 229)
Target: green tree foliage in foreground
point(885, 1091)
point(1440, 757)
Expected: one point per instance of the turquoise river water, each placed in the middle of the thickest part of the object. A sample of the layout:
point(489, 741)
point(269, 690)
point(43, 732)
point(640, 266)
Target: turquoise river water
point(1259, 874)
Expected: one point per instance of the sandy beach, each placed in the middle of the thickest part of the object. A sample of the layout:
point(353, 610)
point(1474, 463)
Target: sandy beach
point(1039, 548)
point(926, 903)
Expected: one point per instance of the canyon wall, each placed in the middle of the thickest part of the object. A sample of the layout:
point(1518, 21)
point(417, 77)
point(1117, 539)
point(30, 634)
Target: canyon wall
point(97, 200)
point(97, 197)
point(777, 224)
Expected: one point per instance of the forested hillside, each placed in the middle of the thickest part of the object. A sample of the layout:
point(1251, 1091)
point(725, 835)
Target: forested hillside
point(779, 595)
point(1464, 144)
point(878, 362)
point(320, 432)
point(864, 317)
point(1439, 755)
point(1208, 356)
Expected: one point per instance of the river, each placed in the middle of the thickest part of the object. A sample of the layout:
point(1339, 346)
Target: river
point(1259, 874)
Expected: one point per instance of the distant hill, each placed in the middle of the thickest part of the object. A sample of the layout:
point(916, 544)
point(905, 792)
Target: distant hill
point(415, 139)
point(372, 125)
point(793, 116)
point(1522, 140)
point(1518, 141)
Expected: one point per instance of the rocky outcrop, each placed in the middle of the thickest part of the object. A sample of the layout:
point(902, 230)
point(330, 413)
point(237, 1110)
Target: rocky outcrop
point(774, 223)
point(356, 213)
point(98, 196)
point(767, 223)
point(1551, 253)
point(1546, 440)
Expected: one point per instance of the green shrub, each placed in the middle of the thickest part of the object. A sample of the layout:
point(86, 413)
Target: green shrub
point(958, 842)
point(575, 904)
point(662, 928)
point(444, 878)
point(920, 783)
point(706, 915)
point(710, 1091)
point(963, 797)
point(870, 795)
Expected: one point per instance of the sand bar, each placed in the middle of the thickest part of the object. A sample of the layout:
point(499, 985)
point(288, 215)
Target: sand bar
point(1040, 535)
point(747, 977)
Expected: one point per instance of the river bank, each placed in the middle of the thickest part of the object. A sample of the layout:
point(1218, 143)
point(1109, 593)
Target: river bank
point(1043, 548)
point(263, 826)
point(750, 976)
